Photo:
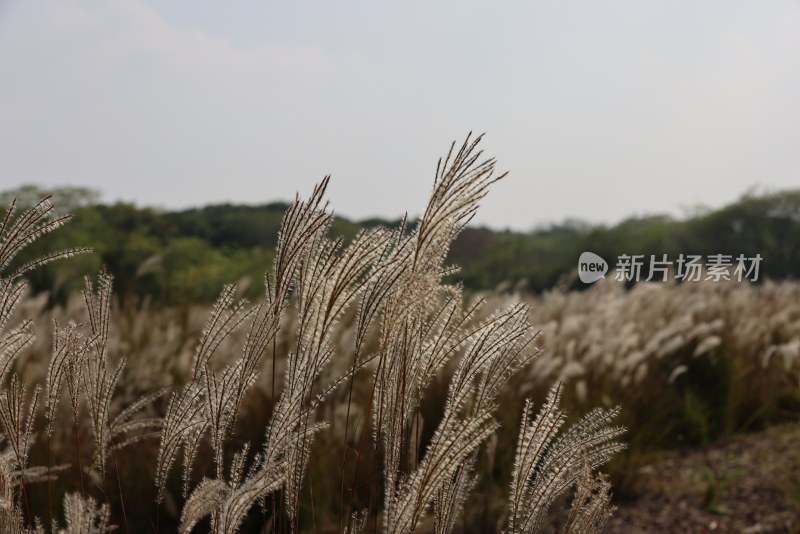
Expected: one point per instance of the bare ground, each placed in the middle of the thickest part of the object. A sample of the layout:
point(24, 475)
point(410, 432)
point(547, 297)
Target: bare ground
point(749, 484)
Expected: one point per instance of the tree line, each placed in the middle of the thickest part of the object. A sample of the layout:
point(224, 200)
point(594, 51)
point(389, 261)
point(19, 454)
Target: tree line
point(185, 256)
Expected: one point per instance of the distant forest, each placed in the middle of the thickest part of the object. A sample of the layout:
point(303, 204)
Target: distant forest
point(180, 257)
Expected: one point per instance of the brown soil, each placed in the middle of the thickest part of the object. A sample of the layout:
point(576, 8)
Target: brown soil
point(749, 484)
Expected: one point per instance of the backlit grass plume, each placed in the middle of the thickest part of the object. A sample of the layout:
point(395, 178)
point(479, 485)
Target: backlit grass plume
point(404, 328)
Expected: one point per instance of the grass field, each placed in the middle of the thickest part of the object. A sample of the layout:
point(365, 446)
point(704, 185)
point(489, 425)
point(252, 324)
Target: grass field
point(363, 393)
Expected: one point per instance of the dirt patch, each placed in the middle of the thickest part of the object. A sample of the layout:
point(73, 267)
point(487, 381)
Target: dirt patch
point(749, 484)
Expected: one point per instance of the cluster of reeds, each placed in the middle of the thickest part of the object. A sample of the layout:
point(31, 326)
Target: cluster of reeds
point(731, 348)
point(349, 341)
point(691, 363)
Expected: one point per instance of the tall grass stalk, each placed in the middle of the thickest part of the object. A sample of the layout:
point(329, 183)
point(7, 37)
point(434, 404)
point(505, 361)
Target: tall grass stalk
point(410, 332)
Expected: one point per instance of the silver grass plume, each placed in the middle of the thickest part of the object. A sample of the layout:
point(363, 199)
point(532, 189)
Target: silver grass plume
point(84, 515)
point(16, 234)
point(11, 520)
point(13, 341)
point(422, 328)
point(210, 402)
point(357, 523)
point(326, 278)
point(548, 463)
point(591, 506)
point(100, 378)
point(500, 350)
point(17, 420)
point(200, 405)
point(453, 442)
point(124, 430)
point(503, 336)
point(184, 420)
point(329, 280)
point(206, 499)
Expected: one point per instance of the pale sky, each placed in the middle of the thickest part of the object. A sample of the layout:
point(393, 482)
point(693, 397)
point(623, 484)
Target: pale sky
point(600, 110)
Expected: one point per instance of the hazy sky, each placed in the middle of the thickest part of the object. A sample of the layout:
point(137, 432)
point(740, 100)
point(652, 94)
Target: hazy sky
point(600, 110)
